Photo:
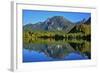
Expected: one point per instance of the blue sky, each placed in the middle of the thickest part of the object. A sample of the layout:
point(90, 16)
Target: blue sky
point(34, 16)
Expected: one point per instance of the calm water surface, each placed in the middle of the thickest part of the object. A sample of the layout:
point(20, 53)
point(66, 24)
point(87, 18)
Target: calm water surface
point(37, 52)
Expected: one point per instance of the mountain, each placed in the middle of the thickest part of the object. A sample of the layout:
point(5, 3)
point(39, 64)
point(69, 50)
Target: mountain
point(88, 21)
point(80, 22)
point(84, 21)
point(55, 23)
point(83, 26)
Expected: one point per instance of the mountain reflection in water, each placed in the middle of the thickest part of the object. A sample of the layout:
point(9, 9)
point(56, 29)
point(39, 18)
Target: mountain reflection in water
point(44, 50)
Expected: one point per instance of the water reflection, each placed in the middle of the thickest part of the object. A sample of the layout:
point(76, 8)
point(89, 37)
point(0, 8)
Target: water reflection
point(35, 50)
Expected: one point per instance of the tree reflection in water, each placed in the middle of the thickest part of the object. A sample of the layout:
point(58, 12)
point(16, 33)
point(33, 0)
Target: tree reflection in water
point(59, 49)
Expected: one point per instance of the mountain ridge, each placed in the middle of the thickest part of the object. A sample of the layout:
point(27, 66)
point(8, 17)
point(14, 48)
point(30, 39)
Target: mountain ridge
point(55, 23)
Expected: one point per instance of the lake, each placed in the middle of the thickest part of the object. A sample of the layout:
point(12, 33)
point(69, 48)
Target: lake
point(41, 50)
